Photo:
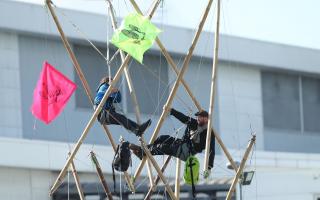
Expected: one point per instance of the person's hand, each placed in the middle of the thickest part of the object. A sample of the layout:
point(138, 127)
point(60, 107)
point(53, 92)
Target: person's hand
point(114, 90)
point(168, 110)
point(207, 173)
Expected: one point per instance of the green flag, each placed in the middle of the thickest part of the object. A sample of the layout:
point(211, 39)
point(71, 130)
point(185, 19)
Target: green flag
point(135, 35)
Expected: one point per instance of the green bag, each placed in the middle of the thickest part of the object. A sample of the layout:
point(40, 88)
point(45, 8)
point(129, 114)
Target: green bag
point(135, 35)
point(191, 170)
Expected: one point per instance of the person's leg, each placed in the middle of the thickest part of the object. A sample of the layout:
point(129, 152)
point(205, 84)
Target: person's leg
point(165, 145)
point(112, 117)
point(161, 146)
point(119, 119)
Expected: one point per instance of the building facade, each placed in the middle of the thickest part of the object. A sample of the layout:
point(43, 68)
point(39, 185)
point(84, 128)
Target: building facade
point(267, 88)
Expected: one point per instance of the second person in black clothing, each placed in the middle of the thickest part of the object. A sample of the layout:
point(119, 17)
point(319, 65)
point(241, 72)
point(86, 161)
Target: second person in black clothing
point(192, 142)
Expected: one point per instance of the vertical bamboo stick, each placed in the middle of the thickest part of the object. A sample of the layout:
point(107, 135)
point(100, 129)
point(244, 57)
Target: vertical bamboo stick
point(177, 82)
point(101, 176)
point(177, 185)
point(160, 174)
point(129, 81)
point(213, 85)
point(240, 169)
point(83, 80)
point(77, 180)
point(89, 125)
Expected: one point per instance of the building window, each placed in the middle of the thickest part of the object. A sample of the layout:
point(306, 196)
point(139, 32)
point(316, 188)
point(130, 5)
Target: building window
point(291, 102)
point(94, 68)
point(150, 81)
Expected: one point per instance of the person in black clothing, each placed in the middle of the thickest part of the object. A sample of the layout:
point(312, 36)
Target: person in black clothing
point(108, 114)
point(193, 141)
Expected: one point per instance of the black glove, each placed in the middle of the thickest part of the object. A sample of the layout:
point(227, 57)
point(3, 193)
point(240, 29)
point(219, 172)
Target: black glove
point(172, 110)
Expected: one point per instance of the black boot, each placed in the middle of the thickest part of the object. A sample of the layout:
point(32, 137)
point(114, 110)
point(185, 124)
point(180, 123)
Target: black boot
point(137, 150)
point(143, 127)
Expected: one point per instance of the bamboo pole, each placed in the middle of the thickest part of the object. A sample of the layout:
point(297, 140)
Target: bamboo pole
point(89, 124)
point(177, 185)
point(197, 104)
point(101, 176)
point(83, 81)
point(240, 169)
point(68, 48)
point(213, 85)
point(157, 179)
point(129, 81)
point(160, 174)
point(176, 84)
point(77, 180)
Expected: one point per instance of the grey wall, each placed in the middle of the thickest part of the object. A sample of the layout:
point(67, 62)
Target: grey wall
point(291, 142)
point(10, 96)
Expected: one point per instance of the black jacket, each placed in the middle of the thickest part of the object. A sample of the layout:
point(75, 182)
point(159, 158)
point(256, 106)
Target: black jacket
point(192, 125)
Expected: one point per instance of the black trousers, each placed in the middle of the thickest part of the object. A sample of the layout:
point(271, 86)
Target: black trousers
point(167, 145)
point(112, 117)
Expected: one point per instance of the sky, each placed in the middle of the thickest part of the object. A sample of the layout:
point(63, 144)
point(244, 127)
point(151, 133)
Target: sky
point(292, 22)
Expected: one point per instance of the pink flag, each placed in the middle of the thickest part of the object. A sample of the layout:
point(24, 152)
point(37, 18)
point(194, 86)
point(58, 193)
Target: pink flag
point(51, 94)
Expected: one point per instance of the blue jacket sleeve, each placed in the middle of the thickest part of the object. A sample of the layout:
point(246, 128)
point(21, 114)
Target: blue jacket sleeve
point(100, 93)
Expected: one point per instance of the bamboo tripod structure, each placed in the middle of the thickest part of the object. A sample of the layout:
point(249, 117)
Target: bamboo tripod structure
point(116, 78)
point(101, 176)
point(93, 117)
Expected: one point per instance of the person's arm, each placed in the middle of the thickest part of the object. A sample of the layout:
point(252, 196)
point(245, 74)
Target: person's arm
point(100, 93)
point(181, 117)
point(116, 96)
